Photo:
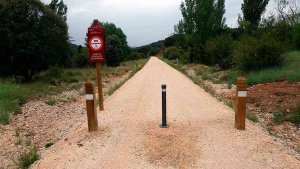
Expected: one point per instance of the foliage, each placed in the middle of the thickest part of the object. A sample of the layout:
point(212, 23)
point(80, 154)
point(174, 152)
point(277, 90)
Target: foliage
point(278, 118)
point(256, 54)
point(81, 59)
point(32, 37)
point(296, 35)
point(289, 71)
point(201, 19)
point(11, 96)
point(136, 56)
point(172, 53)
point(51, 82)
point(114, 50)
point(295, 117)
point(59, 7)
point(253, 118)
point(112, 30)
point(220, 51)
point(252, 11)
point(151, 49)
point(28, 158)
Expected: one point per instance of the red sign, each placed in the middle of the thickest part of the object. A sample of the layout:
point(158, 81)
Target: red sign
point(96, 39)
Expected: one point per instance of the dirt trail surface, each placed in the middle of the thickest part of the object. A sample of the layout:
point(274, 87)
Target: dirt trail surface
point(201, 132)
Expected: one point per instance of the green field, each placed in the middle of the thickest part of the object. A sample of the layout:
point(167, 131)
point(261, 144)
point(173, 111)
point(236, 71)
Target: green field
point(53, 81)
point(289, 71)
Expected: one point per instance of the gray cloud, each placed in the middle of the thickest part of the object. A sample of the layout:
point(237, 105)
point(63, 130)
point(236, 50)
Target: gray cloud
point(143, 21)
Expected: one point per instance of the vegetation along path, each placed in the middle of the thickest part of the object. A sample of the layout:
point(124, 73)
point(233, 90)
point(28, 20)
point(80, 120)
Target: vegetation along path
point(201, 132)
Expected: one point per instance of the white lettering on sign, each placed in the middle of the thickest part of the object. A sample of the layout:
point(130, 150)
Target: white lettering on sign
point(89, 97)
point(242, 93)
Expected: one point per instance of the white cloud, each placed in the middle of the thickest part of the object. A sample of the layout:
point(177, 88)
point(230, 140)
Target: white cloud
point(143, 21)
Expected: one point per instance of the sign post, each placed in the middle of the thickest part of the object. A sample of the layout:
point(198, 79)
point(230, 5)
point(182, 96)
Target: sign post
point(97, 54)
point(241, 93)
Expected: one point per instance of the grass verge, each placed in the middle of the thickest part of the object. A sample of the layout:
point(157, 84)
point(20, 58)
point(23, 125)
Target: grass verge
point(54, 81)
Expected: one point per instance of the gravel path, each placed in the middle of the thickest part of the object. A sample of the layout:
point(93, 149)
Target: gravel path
point(201, 132)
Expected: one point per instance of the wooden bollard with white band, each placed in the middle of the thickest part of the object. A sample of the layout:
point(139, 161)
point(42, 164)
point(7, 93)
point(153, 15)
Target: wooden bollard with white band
point(91, 106)
point(241, 93)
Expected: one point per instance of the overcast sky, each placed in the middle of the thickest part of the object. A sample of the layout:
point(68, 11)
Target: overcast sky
point(143, 21)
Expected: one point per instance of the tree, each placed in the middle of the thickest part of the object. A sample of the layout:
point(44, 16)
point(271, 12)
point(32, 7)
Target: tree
point(59, 7)
point(253, 10)
point(202, 19)
point(289, 11)
point(113, 50)
point(32, 37)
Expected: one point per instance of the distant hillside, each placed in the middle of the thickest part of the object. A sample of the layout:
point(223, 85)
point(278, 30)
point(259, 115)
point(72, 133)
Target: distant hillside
point(151, 49)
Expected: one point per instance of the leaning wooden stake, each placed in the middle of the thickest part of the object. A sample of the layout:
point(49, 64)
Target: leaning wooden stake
point(91, 107)
point(241, 94)
point(99, 82)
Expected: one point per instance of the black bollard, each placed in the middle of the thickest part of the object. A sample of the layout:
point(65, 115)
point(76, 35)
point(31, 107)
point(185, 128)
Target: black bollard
point(164, 106)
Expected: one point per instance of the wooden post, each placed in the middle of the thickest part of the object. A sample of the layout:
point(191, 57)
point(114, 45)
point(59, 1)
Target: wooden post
point(99, 82)
point(241, 94)
point(91, 107)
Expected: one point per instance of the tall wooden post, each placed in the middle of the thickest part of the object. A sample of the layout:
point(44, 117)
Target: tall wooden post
point(241, 94)
point(99, 82)
point(91, 107)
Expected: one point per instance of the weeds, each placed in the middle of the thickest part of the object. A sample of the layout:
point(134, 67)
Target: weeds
point(51, 102)
point(278, 118)
point(51, 82)
point(49, 145)
point(27, 158)
point(253, 117)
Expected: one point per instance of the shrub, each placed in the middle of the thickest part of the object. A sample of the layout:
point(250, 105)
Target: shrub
point(220, 51)
point(32, 37)
point(136, 56)
point(81, 59)
point(28, 158)
point(172, 53)
point(296, 35)
point(295, 118)
point(278, 118)
point(255, 54)
point(114, 51)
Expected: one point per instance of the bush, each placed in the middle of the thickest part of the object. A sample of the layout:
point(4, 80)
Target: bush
point(172, 53)
point(255, 54)
point(28, 158)
point(114, 51)
point(296, 35)
point(136, 56)
point(81, 59)
point(220, 51)
point(32, 38)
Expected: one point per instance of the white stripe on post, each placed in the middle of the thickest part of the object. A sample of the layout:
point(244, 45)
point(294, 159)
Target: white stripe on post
point(242, 94)
point(89, 97)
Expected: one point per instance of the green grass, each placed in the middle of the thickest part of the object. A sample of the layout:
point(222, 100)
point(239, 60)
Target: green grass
point(253, 118)
point(54, 81)
point(27, 158)
point(49, 145)
point(278, 118)
point(289, 71)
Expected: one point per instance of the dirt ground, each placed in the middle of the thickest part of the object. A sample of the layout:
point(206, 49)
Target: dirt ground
point(200, 133)
point(41, 124)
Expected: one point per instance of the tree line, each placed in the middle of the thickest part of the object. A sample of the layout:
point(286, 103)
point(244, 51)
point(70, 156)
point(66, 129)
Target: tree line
point(202, 36)
point(34, 37)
